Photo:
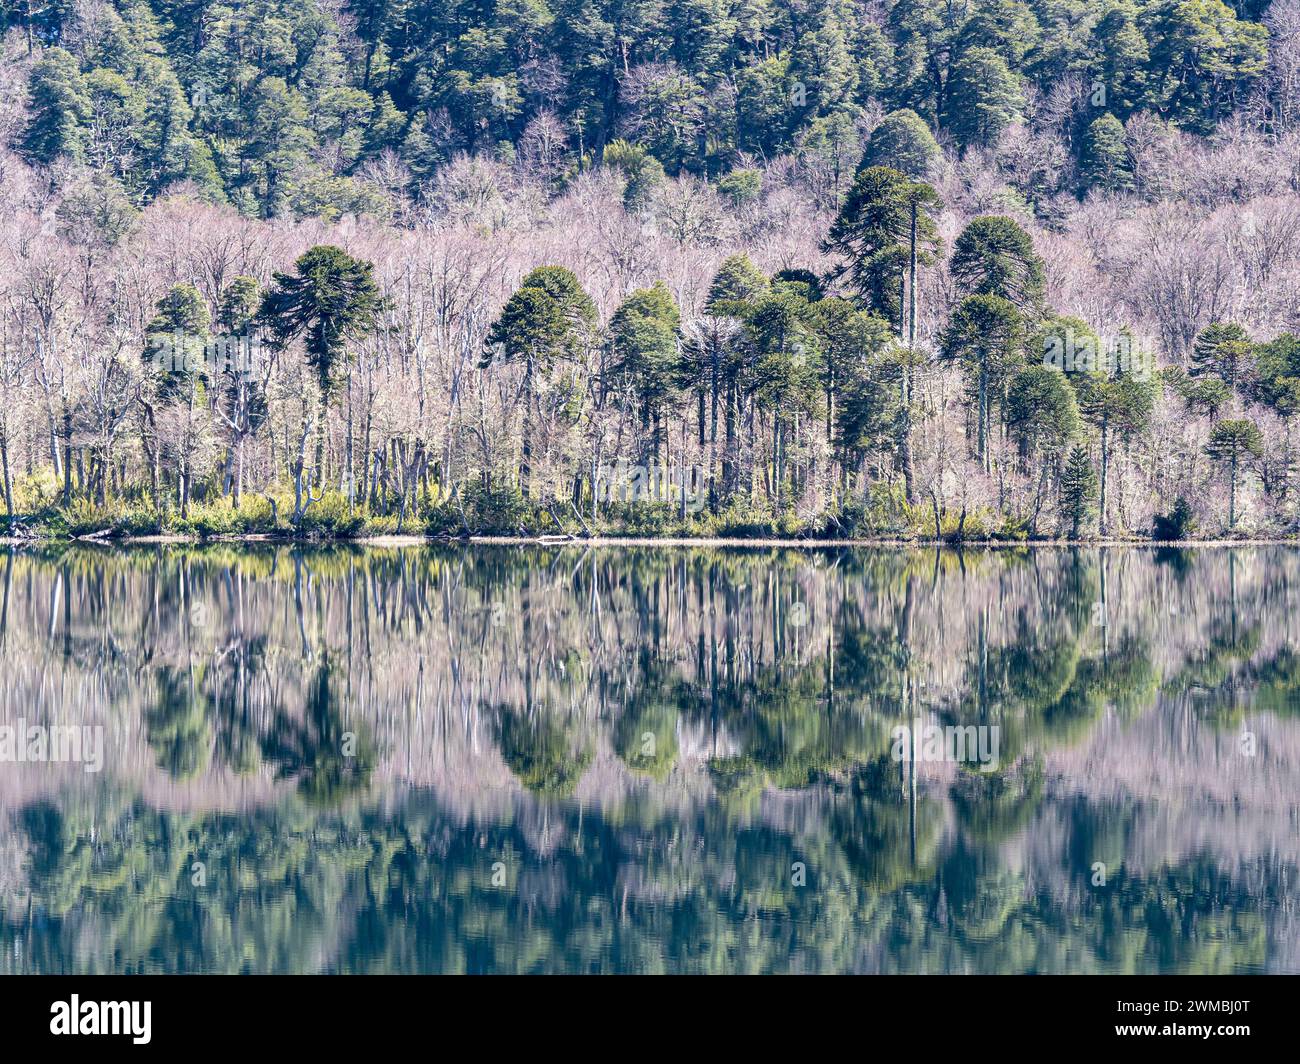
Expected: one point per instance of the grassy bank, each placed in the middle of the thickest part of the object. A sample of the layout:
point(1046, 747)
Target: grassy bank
point(506, 516)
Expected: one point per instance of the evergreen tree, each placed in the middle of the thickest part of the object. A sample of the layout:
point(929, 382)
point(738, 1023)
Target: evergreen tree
point(1119, 406)
point(59, 106)
point(1202, 58)
point(1232, 443)
point(994, 256)
point(1042, 414)
point(786, 370)
point(1078, 490)
point(983, 98)
point(986, 336)
point(548, 319)
point(331, 299)
point(1223, 350)
point(873, 237)
point(1105, 158)
point(645, 347)
point(903, 142)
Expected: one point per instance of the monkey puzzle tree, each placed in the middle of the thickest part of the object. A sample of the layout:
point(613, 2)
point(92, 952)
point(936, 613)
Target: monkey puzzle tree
point(1222, 350)
point(986, 335)
point(786, 371)
point(645, 348)
point(331, 299)
point(884, 233)
point(1042, 417)
point(848, 337)
point(1231, 443)
point(885, 227)
point(867, 415)
point(549, 318)
point(1041, 412)
point(1205, 395)
point(1276, 386)
point(176, 335)
point(1115, 405)
point(734, 293)
point(1277, 375)
point(994, 256)
point(240, 378)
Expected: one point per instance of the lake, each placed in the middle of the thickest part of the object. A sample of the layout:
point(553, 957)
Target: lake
point(240, 758)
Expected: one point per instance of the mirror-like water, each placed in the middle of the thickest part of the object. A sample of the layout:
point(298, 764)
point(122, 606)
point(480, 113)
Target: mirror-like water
point(508, 759)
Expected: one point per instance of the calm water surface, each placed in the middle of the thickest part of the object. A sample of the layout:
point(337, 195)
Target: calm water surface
point(507, 759)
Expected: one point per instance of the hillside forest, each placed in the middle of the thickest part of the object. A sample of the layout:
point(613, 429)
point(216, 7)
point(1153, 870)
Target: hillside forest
point(932, 269)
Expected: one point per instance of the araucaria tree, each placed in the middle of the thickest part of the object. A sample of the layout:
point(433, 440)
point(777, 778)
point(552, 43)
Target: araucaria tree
point(550, 319)
point(645, 349)
point(884, 233)
point(330, 300)
point(1232, 444)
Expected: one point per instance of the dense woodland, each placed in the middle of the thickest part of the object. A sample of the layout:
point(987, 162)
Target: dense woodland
point(987, 269)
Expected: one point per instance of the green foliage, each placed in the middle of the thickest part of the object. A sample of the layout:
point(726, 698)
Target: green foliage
point(1178, 524)
point(549, 318)
point(331, 518)
point(994, 256)
point(1041, 413)
point(644, 344)
point(175, 93)
point(1222, 350)
point(1234, 440)
point(1105, 158)
point(741, 186)
point(983, 97)
point(872, 235)
point(500, 510)
point(1277, 375)
point(1078, 491)
point(736, 286)
point(330, 299)
point(903, 142)
point(60, 108)
point(1232, 444)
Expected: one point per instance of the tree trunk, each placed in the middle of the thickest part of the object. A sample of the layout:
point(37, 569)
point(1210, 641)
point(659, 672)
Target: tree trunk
point(1102, 526)
point(983, 416)
point(911, 284)
point(4, 474)
point(1232, 495)
point(67, 457)
point(526, 459)
point(318, 474)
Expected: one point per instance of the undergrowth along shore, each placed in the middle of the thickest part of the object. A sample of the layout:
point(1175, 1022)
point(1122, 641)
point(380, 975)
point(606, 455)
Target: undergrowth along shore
point(505, 515)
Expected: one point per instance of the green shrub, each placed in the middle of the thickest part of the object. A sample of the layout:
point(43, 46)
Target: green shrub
point(501, 511)
point(646, 518)
point(256, 516)
point(331, 517)
point(1178, 523)
point(205, 519)
point(739, 520)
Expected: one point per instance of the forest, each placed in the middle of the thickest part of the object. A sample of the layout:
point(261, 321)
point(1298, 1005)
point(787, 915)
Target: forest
point(922, 269)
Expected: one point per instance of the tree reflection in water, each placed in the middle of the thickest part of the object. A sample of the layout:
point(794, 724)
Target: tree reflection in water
point(531, 759)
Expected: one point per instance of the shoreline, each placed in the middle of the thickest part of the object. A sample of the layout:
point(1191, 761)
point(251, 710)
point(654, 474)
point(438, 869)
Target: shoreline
point(728, 542)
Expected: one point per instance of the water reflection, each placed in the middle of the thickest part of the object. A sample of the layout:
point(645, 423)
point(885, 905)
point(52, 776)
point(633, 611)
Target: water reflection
point(526, 759)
